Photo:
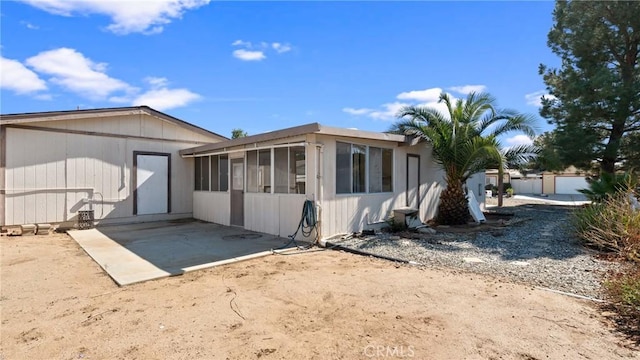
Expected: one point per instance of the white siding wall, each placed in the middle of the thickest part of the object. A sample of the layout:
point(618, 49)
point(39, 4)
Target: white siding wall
point(344, 213)
point(277, 214)
point(134, 125)
point(50, 174)
point(476, 183)
point(212, 206)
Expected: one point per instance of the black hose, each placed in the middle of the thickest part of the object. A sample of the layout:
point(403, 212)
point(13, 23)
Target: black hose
point(308, 223)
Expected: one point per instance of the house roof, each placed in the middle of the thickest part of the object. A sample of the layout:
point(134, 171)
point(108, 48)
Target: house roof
point(24, 118)
point(313, 128)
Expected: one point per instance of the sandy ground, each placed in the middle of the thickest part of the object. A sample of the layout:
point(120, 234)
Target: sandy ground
point(57, 304)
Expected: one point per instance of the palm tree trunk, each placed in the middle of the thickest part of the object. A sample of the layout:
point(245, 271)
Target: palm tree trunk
point(453, 208)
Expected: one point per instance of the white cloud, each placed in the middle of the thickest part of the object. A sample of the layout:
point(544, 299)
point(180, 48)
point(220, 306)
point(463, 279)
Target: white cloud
point(29, 25)
point(427, 98)
point(77, 73)
point(467, 89)
point(157, 82)
point(146, 17)
point(388, 111)
point(424, 98)
point(74, 72)
point(518, 140)
point(256, 52)
point(163, 98)
point(281, 48)
point(535, 98)
point(249, 55)
point(16, 77)
point(160, 97)
point(426, 95)
point(353, 111)
point(241, 43)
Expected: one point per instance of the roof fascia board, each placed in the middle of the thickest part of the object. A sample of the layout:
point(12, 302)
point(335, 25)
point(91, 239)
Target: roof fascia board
point(254, 139)
point(102, 113)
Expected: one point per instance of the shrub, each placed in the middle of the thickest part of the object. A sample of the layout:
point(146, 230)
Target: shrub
point(610, 225)
point(610, 184)
point(623, 290)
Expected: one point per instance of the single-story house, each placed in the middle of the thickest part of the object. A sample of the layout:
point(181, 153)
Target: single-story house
point(122, 163)
point(137, 164)
point(568, 181)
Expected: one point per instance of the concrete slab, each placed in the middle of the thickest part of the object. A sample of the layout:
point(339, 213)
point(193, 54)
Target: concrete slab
point(556, 199)
point(139, 252)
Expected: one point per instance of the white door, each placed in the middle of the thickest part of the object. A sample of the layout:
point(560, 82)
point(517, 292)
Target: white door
point(152, 184)
point(570, 184)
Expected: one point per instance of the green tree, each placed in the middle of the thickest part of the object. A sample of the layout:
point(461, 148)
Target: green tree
point(464, 142)
point(547, 158)
point(595, 100)
point(238, 133)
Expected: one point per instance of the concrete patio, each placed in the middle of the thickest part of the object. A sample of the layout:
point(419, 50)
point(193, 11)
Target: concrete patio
point(140, 252)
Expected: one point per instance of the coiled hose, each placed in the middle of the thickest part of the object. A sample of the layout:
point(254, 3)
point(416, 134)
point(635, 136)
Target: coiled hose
point(308, 223)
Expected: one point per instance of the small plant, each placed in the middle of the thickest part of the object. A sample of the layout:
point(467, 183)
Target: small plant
point(510, 192)
point(395, 226)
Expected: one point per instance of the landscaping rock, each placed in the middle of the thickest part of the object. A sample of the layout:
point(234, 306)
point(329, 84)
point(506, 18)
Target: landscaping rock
point(537, 247)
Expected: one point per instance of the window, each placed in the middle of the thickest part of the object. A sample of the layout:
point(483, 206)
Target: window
point(259, 171)
point(359, 165)
point(202, 173)
point(290, 170)
point(252, 171)
point(223, 166)
point(343, 168)
point(359, 168)
point(297, 170)
point(212, 173)
point(281, 170)
point(264, 171)
point(198, 174)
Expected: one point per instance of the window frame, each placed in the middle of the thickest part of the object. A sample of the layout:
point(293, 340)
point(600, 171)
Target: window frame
point(367, 169)
point(272, 169)
point(200, 180)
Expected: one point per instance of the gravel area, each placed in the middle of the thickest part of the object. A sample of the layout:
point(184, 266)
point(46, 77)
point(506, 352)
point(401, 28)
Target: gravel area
point(535, 247)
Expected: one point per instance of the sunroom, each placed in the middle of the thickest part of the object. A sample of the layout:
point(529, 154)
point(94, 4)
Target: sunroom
point(355, 179)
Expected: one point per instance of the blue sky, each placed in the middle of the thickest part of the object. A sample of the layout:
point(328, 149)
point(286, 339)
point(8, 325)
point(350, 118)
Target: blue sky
point(263, 66)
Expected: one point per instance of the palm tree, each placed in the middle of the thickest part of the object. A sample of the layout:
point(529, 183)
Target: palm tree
point(464, 141)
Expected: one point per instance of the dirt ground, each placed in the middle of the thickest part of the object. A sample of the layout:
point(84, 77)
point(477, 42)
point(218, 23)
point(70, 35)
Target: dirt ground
point(56, 303)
